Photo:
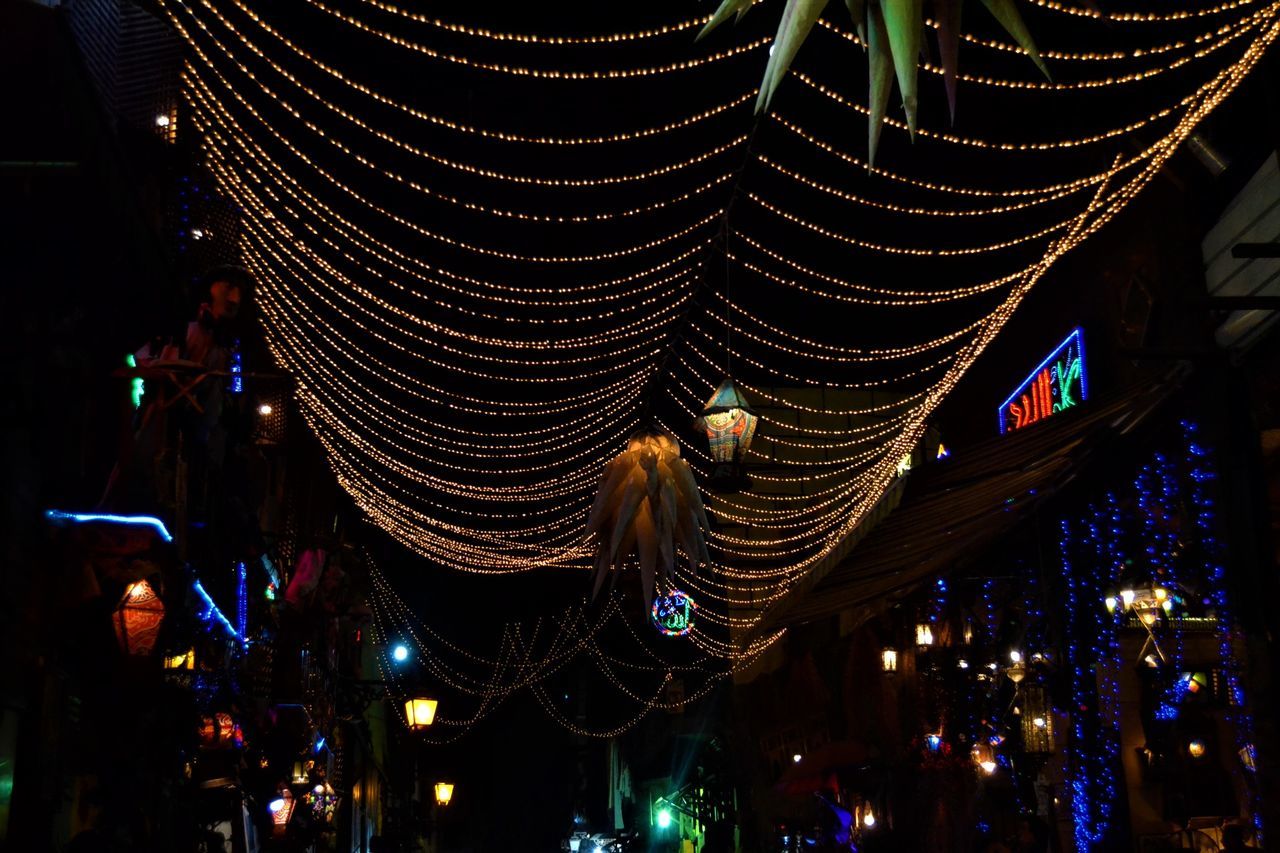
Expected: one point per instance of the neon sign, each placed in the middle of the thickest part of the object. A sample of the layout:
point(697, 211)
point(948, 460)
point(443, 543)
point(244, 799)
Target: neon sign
point(1058, 383)
point(673, 613)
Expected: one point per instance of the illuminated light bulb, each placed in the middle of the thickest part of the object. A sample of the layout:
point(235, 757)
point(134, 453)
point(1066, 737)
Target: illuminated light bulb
point(962, 663)
point(869, 818)
point(162, 120)
point(197, 233)
point(1161, 593)
point(1195, 748)
point(275, 806)
point(796, 758)
point(265, 409)
point(1110, 602)
point(1127, 596)
point(1015, 656)
point(1039, 722)
point(400, 653)
point(664, 818)
point(1149, 616)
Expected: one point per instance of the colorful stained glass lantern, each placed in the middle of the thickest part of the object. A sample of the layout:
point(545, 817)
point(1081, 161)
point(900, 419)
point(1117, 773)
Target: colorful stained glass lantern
point(444, 793)
point(137, 619)
point(220, 731)
point(673, 613)
point(729, 424)
point(420, 712)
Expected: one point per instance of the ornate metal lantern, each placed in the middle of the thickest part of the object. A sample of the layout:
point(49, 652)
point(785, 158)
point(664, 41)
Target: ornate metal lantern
point(444, 793)
point(1037, 721)
point(889, 659)
point(137, 619)
point(729, 424)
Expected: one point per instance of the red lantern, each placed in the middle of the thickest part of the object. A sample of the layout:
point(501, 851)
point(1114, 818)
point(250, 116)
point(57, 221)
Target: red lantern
point(220, 731)
point(137, 619)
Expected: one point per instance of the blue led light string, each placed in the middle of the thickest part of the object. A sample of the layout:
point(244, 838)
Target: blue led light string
point(242, 599)
point(1203, 474)
point(1093, 748)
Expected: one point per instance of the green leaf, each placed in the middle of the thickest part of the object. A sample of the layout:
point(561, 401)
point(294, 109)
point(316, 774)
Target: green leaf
point(1009, 17)
point(797, 19)
point(880, 66)
point(858, 11)
point(948, 15)
point(727, 8)
point(904, 19)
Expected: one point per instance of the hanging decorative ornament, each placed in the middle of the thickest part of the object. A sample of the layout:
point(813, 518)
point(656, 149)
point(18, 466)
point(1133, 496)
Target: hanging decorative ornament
point(730, 424)
point(673, 613)
point(137, 619)
point(648, 501)
point(892, 32)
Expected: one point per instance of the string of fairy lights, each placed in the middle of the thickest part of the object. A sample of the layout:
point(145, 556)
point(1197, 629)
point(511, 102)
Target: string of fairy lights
point(479, 311)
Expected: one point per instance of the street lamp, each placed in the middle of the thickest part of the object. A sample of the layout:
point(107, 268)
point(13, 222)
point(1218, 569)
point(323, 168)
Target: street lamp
point(444, 793)
point(420, 712)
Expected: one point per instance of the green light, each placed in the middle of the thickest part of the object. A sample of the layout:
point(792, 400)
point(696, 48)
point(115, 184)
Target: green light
point(136, 387)
point(664, 818)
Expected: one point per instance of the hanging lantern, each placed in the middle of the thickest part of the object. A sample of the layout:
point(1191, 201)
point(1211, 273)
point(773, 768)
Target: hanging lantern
point(182, 660)
point(444, 793)
point(924, 635)
point(673, 613)
point(889, 659)
point(1037, 721)
point(281, 810)
point(220, 731)
point(137, 619)
point(299, 776)
point(1195, 749)
point(729, 424)
point(420, 712)
point(984, 757)
point(648, 502)
point(1017, 669)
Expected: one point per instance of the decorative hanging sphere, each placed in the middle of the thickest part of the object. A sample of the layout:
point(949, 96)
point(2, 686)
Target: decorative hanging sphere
point(673, 613)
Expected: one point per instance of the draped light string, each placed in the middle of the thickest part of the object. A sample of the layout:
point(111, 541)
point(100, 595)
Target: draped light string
point(519, 71)
point(533, 38)
point(1216, 38)
point(485, 133)
point(642, 317)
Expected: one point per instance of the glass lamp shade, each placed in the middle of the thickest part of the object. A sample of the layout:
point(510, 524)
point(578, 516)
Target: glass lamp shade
point(889, 659)
point(420, 712)
point(444, 793)
point(137, 619)
point(924, 635)
point(729, 423)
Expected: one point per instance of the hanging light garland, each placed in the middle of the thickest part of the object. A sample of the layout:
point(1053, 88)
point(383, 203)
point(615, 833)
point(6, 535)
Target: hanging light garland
point(420, 370)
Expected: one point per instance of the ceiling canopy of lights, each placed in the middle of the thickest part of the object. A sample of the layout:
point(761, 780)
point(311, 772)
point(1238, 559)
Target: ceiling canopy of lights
point(490, 257)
